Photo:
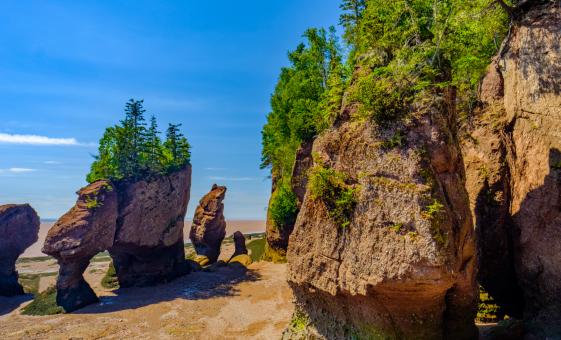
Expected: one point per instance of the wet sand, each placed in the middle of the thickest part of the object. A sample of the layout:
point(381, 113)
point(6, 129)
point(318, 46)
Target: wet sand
point(245, 226)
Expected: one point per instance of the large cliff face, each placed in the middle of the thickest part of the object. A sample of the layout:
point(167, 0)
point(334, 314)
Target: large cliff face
point(19, 226)
point(512, 150)
point(140, 223)
point(404, 265)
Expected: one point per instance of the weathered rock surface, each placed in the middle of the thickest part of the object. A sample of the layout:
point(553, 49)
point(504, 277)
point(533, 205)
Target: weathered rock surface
point(404, 268)
point(19, 227)
point(140, 223)
point(85, 230)
point(277, 237)
point(149, 247)
point(512, 156)
point(209, 226)
point(239, 244)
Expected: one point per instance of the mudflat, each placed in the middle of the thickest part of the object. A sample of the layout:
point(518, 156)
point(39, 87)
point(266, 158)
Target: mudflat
point(245, 226)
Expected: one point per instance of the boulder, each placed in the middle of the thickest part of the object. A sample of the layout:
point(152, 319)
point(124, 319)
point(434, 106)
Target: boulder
point(511, 148)
point(148, 247)
point(85, 230)
point(209, 226)
point(19, 227)
point(239, 244)
point(397, 261)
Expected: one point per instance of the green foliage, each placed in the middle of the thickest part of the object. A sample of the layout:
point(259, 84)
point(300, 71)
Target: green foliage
point(330, 186)
point(110, 280)
point(284, 206)
point(92, 203)
point(299, 322)
point(43, 304)
point(130, 150)
point(432, 210)
point(407, 46)
point(306, 99)
point(397, 140)
point(257, 249)
point(488, 310)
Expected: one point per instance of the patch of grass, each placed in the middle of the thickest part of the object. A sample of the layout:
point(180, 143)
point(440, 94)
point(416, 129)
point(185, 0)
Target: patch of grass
point(488, 310)
point(43, 304)
point(332, 188)
point(30, 282)
point(110, 280)
point(92, 202)
point(272, 255)
point(257, 249)
point(299, 322)
point(432, 212)
point(34, 259)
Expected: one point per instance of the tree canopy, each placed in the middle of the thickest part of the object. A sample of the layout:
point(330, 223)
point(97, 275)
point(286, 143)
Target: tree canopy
point(131, 150)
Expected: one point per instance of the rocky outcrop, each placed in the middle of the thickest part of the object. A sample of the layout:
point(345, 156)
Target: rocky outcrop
point(19, 227)
point(278, 236)
point(240, 252)
point(149, 246)
point(403, 265)
point(85, 230)
point(140, 223)
point(512, 156)
point(209, 226)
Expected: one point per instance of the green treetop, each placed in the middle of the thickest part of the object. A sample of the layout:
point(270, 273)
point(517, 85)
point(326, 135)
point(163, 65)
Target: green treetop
point(129, 150)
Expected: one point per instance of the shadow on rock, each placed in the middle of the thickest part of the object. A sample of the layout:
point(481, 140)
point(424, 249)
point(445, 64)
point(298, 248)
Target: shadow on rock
point(9, 304)
point(218, 281)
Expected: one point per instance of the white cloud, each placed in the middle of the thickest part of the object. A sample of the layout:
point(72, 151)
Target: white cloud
point(35, 140)
point(51, 162)
point(219, 178)
point(215, 169)
point(17, 170)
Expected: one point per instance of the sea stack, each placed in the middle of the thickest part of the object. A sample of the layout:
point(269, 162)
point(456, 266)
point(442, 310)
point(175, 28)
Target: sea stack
point(209, 226)
point(19, 228)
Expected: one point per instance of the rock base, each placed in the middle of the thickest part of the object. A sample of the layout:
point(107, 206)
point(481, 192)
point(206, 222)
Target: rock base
point(76, 297)
point(150, 266)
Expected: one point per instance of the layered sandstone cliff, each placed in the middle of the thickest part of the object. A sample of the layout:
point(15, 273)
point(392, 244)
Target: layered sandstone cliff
point(403, 265)
point(512, 152)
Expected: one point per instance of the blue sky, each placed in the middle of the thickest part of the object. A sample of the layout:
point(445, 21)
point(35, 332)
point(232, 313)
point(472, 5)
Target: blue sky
point(68, 67)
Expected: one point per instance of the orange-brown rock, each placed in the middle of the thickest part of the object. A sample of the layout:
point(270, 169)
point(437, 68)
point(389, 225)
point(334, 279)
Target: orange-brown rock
point(149, 246)
point(404, 266)
point(209, 226)
point(512, 156)
point(85, 230)
point(19, 226)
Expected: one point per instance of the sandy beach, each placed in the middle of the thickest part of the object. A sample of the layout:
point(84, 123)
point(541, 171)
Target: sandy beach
point(245, 226)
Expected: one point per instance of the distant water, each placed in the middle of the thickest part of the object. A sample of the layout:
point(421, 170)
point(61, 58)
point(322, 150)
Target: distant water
point(245, 226)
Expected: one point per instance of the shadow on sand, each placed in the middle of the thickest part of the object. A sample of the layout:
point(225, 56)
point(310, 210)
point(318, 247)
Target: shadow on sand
point(220, 282)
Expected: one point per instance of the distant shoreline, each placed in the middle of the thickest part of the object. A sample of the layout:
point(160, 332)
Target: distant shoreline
point(245, 226)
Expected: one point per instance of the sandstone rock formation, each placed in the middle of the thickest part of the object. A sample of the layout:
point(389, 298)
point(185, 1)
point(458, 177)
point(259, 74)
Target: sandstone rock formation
point(240, 255)
point(19, 226)
point(404, 267)
point(277, 237)
point(140, 223)
point(512, 157)
point(85, 230)
point(209, 226)
point(149, 246)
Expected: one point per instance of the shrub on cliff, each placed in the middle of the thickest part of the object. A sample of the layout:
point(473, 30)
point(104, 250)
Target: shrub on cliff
point(284, 206)
point(131, 150)
point(331, 187)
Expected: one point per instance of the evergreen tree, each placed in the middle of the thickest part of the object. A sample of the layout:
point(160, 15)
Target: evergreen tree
point(153, 147)
point(177, 147)
point(133, 138)
point(352, 13)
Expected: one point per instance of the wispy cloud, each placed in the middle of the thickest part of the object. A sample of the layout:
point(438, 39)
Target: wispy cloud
point(17, 170)
point(36, 140)
point(215, 169)
point(219, 178)
point(51, 162)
